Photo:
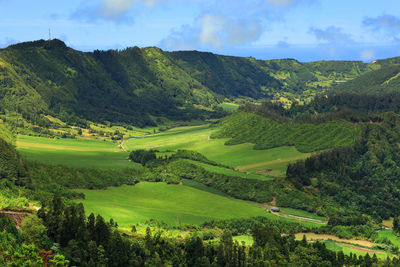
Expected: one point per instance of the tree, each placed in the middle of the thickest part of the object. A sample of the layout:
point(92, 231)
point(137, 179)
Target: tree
point(194, 250)
point(33, 229)
point(396, 225)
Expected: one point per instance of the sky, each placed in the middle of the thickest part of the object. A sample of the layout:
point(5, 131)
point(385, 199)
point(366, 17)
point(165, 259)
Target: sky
point(306, 30)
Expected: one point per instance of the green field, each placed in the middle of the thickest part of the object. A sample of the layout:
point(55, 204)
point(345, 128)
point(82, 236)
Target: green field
point(302, 213)
point(355, 246)
point(347, 249)
point(271, 162)
point(391, 236)
point(203, 187)
point(229, 106)
point(248, 240)
point(230, 172)
point(73, 152)
point(172, 204)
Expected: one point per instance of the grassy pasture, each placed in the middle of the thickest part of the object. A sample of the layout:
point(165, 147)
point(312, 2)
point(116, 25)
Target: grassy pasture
point(348, 248)
point(247, 239)
point(358, 247)
point(243, 157)
point(391, 236)
point(203, 187)
point(301, 213)
point(226, 171)
point(173, 204)
point(229, 106)
point(73, 152)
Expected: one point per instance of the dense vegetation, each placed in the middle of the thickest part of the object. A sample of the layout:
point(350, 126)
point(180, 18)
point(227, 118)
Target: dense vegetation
point(143, 86)
point(61, 232)
point(351, 179)
point(12, 166)
point(384, 80)
point(363, 176)
point(266, 133)
point(348, 106)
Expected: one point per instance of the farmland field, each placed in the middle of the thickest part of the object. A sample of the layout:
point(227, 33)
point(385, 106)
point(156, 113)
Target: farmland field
point(271, 162)
point(230, 172)
point(229, 106)
point(73, 152)
point(302, 213)
point(172, 204)
point(391, 236)
point(348, 248)
point(358, 247)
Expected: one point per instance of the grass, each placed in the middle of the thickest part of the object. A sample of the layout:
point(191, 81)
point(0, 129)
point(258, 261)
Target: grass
point(358, 247)
point(302, 213)
point(347, 249)
point(229, 106)
point(248, 240)
point(271, 162)
point(202, 187)
point(391, 236)
point(388, 223)
point(73, 152)
point(173, 204)
point(266, 133)
point(230, 172)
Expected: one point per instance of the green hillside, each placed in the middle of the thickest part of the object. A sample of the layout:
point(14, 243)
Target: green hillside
point(172, 204)
point(265, 133)
point(384, 80)
point(145, 86)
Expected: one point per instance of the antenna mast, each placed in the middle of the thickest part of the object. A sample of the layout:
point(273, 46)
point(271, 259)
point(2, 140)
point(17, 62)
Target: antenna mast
point(49, 35)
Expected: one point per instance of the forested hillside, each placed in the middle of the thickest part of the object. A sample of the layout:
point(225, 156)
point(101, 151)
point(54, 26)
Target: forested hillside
point(143, 85)
point(319, 140)
point(267, 133)
point(384, 80)
point(358, 139)
point(61, 234)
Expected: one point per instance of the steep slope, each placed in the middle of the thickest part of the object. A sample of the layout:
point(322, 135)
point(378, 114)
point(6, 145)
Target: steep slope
point(49, 77)
point(266, 133)
point(142, 85)
point(224, 75)
point(264, 78)
point(383, 80)
point(12, 167)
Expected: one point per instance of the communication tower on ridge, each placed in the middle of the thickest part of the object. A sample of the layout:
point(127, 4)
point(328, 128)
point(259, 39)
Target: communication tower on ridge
point(49, 35)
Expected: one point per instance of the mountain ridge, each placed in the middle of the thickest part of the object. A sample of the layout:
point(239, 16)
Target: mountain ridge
point(145, 86)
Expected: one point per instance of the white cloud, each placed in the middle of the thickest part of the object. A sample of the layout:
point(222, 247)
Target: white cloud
point(332, 35)
point(115, 10)
point(387, 24)
point(220, 31)
point(211, 26)
point(367, 54)
point(216, 31)
point(226, 23)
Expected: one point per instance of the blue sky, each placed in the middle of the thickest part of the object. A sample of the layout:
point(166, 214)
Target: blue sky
point(306, 30)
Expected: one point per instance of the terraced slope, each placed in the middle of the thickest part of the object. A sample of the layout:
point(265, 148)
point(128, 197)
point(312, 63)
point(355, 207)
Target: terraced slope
point(243, 127)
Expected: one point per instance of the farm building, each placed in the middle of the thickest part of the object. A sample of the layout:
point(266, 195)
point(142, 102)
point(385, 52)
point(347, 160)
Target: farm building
point(275, 209)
